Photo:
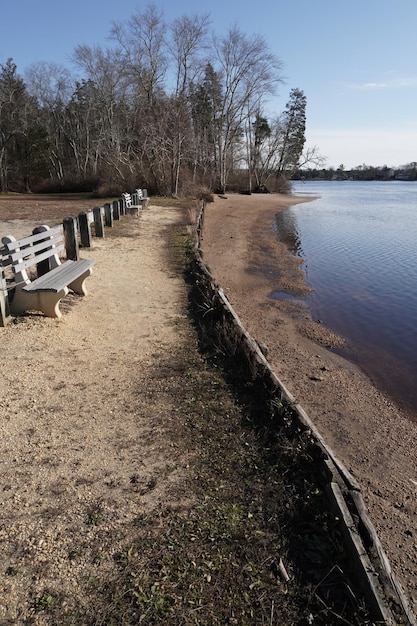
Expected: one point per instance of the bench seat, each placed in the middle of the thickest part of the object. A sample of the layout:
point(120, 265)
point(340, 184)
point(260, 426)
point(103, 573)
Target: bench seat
point(69, 274)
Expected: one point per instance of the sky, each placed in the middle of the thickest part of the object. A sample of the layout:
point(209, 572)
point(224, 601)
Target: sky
point(355, 61)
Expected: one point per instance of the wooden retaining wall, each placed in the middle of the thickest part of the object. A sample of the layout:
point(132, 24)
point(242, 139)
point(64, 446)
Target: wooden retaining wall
point(384, 595)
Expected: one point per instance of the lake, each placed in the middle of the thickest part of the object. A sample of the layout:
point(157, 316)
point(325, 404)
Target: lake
point(358, 244)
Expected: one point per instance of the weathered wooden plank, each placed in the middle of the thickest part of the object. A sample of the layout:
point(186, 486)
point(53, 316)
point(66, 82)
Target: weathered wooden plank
point(54, 232)
point(19, 250)
point(60, 277)
point(98, 222)
point(108, 215)
point(71, 239)
point(116, 209)
point(85, 229)
point(33, 260)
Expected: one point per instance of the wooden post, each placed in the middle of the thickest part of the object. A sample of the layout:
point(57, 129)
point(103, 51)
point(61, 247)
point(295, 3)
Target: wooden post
point(5, 316)
point(98, 221)
point(85, 229)
point(70, 238)
point(145, 198)
point(108, 215)
point(122, 206)
point(116, 209)
point(43, 266)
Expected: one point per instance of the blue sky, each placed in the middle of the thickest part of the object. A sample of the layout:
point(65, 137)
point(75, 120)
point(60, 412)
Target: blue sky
point(355, 61)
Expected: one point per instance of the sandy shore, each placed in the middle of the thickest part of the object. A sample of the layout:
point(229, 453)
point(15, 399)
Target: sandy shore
point(371, 436)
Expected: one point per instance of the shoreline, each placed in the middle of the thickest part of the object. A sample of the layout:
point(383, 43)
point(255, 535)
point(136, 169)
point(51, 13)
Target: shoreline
point(372, 436)
point(388, 367)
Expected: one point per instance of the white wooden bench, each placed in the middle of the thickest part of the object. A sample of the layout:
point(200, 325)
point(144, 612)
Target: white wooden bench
point(134, 202)
point(141, 196)
point(53, 279)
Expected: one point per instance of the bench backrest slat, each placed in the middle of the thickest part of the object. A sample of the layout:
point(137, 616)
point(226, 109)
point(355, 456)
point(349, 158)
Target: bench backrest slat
point(34, 260)
point(25, 251)
point(31, 239)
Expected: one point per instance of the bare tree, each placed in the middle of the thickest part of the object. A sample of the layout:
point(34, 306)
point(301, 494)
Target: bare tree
point(311, 157)
point(111, 129)
point(187, 45)
point(188, 40)
point(142, 48)
point(52, 86)
point(249, 73)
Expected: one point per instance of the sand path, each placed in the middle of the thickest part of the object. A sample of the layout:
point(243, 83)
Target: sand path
point(80, 439)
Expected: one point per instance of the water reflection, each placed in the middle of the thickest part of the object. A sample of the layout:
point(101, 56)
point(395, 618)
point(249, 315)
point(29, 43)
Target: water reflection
point(284, 295)
point(357, 242)
point(287, 232)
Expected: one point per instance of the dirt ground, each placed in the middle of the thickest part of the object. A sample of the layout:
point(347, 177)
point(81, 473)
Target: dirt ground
point(70, 403)
point(370, 435)
point(70, 406)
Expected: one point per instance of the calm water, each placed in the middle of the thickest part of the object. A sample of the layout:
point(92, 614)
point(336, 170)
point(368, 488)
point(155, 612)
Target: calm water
point(358, 243)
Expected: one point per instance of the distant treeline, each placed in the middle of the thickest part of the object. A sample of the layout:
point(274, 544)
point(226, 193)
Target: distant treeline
point(361, 172)
point(171, 107)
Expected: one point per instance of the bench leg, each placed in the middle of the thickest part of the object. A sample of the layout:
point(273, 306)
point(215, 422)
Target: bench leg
point(78, 285)
point(45, 301)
